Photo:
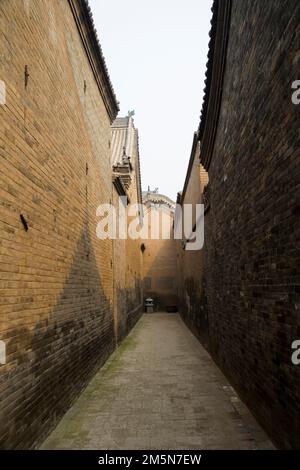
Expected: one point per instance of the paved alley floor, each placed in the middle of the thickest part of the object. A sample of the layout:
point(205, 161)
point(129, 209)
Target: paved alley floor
point(160, 391)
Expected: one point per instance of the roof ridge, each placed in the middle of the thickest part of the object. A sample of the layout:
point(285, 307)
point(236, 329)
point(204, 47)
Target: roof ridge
point(90, 17)
point(214, 82)
point(209, 66)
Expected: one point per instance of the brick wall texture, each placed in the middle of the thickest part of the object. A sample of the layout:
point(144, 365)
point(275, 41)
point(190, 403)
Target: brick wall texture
point(134, 274)
point(251, 254)
point(56, 279)
point(127, 279)
point(190, 264)
point(159, 258)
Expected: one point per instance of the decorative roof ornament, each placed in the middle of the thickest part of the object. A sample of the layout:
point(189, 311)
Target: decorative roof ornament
point(154, 191)
point(125, 157)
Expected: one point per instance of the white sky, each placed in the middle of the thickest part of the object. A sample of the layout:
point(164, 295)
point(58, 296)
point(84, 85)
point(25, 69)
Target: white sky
point(156, 52)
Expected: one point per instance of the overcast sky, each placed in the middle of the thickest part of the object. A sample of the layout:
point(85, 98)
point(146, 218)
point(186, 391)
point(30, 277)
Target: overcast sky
point(156, 53)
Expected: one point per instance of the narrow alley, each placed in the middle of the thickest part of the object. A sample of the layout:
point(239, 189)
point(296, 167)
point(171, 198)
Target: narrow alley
point(160, 389)
point(149, 227)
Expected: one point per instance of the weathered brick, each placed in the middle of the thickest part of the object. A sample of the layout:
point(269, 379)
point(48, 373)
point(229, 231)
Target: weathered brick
point(57, 291)
point(251, 255)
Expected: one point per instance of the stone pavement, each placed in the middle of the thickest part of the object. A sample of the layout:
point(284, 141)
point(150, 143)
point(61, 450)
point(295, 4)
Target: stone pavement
point(160, 390)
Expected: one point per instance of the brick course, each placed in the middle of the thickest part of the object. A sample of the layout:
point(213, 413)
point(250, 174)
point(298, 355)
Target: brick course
point(56, 279)
point(251, 255)
point(190, 264)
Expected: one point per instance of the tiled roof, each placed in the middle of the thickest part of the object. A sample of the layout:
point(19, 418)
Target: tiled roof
point(121, 122)
point(157, 198)
point(124, 135)
point(100, 52)
point(84, 20)
point(209, 66)
point(214, 78)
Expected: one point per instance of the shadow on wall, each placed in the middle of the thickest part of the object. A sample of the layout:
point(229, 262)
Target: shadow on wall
point(53, 363)
point(193, 308)
point(128, 303)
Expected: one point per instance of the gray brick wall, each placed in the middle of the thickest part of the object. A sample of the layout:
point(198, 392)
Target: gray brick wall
point(252, 231)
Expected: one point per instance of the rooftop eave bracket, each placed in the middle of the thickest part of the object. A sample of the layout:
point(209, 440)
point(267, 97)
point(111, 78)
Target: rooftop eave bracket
point(120, 188)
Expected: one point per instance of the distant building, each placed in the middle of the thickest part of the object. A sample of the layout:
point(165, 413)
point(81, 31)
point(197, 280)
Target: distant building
point(128, 299)
point(159, 256)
